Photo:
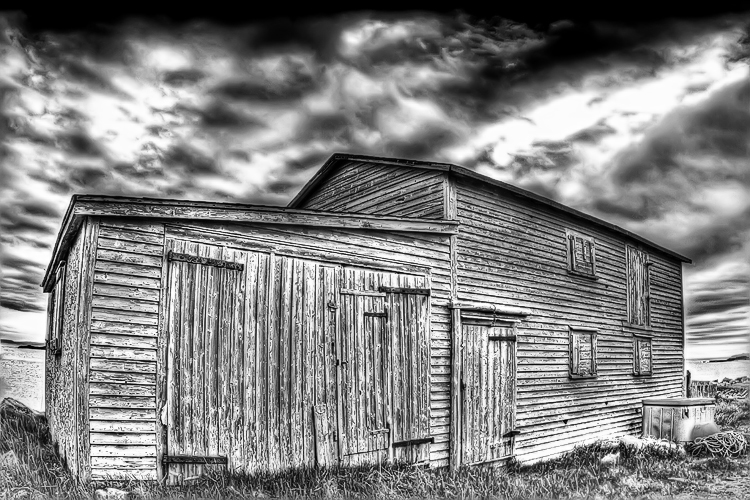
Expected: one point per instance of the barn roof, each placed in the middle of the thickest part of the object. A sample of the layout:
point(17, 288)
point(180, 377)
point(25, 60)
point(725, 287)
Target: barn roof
point(82, 206)
point(339, 158)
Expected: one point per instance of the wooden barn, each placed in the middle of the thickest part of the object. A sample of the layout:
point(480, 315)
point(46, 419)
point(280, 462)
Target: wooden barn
point(395, 310)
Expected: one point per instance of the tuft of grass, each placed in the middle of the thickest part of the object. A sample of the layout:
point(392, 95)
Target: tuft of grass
point(732, 413)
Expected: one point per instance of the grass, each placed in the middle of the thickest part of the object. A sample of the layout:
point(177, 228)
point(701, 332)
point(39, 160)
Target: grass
point(649, 472)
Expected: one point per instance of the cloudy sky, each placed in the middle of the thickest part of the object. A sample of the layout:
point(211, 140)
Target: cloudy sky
point(644, 123)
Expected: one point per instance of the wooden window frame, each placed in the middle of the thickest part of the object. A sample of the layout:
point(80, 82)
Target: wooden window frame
point(636, 357)
point(570, 239)
point(579, 330)
point(647, 288)
point(56, 312)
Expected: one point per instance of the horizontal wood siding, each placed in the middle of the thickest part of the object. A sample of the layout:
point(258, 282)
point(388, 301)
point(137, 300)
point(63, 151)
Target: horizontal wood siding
point(367, 188)
point(122, 379)
point(293, 248)
point(513, 253)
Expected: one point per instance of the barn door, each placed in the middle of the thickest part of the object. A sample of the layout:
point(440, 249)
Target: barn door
point(204, 319)
point(409, 352)
point(384, 367)
point(488, 386)
point(364, 373)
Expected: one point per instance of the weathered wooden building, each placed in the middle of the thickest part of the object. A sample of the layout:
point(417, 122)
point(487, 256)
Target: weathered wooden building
point(395, 310)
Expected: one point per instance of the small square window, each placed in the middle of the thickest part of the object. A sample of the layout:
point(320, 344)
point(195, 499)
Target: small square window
point(581, 254)
point(582, 353)
point(642, 356)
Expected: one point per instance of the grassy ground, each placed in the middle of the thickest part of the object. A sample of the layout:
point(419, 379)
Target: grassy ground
point(651, 472)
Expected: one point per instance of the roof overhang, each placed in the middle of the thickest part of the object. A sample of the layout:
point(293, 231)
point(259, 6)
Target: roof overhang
point(83, 206)
point(336, 159)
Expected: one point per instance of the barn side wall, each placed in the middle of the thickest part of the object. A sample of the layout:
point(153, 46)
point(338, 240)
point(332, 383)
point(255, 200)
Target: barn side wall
point(126, 319)
point(367, 188)
point(66, 372)
point(512, 252)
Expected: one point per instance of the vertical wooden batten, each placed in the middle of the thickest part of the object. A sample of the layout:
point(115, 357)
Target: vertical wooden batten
point(84, 325)
point(162, 352)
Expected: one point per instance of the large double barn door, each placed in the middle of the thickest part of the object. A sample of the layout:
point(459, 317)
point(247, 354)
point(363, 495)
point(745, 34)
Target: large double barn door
point(275, 362)
point(488, 386)
point(384, 368)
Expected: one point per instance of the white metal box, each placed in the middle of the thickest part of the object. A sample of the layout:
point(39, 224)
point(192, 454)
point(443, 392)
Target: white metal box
point(675, 418)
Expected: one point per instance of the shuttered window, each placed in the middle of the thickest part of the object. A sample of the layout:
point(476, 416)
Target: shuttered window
point(639, 306)
point(642, 356)
point(582, 353)
point(581, 254)
point(55, 311)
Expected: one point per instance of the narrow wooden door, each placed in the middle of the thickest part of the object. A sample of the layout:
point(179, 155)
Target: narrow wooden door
point(488, 384)
point(364, 374)
point(204, 320)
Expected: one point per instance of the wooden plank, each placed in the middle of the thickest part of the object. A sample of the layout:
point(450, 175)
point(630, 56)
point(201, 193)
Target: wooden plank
point(273, 368)
point(192, 210)
point(123, 463)
point(120, 401)
point(122, 414)
point(140, 226)
point(310, 314)
point(119, 330)
point(113, 450)
point(322, 436)
point(123, 377)
point(135, 282)
point(127, 292)
point(123, 438)
point(284, 389)
point(120, 390)
point(121, 316)
point(122, 426)
point(248, 352)
point(121, 268)
point(128, 475)
point(127, 366)
point(123, 353)
point(132, 259)
point(127, 234)
point(121, 304)
point(130, 246)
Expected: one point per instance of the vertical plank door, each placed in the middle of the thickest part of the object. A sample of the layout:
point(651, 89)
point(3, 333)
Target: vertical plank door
point(488, 392)
point(363, 372)
point(203, 321)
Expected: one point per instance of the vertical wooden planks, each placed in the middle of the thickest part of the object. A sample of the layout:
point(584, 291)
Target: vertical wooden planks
point(296, 381)
point(249, 350)
point(275, 299)
point(310, 314)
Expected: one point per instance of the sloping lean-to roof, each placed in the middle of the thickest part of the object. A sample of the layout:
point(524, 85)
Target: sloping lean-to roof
point(82, 206)
point(338, 158)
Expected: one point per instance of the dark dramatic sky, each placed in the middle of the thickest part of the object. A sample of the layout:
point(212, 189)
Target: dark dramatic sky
point(637, 117)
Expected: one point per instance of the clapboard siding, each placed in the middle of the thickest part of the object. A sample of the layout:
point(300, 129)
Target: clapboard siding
point(124, 327)
point(512, 252)
point(365, 188)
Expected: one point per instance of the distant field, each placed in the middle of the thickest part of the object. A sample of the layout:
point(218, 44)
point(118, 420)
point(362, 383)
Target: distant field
point(22, 376)
point(718, 371)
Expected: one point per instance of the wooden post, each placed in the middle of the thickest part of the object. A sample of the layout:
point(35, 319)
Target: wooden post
point(455, 430)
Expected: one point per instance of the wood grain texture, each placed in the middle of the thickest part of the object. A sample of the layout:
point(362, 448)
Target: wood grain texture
point(362, 187)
